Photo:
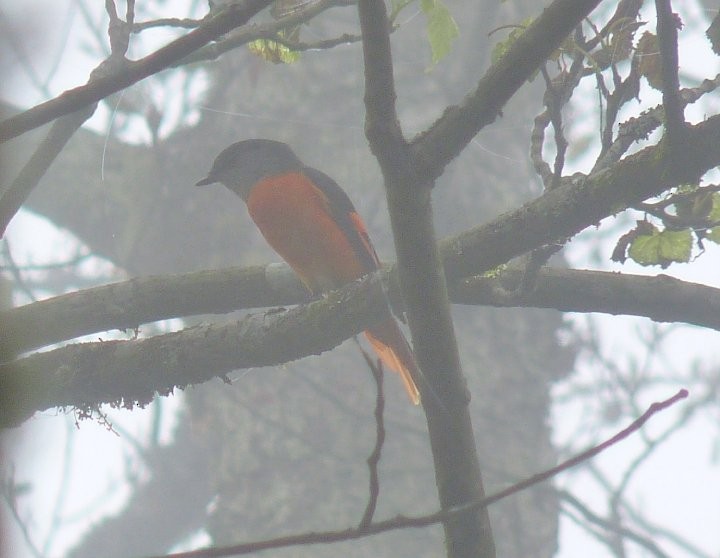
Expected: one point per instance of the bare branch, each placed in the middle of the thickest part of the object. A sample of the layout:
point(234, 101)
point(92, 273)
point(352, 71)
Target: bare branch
point(48, 150)
point(609, 525)
point(128, 304)
point(581, 202)
point(64, 128)
point(128, 373)
point(232, 16)
point(262, 31)
point(182, 23)
point(374, 459)
point(436, 147)
point(661, 298)
point(403, 522)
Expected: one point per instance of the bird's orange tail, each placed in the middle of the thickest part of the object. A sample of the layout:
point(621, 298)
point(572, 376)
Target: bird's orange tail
point(395, 353)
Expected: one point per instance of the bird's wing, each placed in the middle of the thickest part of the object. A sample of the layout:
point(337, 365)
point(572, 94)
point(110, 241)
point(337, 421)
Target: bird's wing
point(345, 215)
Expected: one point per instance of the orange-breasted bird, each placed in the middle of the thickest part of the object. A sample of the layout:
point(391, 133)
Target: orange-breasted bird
point(310, 221)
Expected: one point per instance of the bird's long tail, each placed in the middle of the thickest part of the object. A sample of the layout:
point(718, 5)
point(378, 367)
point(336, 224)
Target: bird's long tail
point(395, 353)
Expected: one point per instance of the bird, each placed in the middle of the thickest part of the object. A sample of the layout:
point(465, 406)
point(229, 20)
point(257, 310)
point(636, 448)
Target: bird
point(309, 220)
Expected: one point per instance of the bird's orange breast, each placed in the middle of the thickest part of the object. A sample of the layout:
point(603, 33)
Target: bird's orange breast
point(295, 218)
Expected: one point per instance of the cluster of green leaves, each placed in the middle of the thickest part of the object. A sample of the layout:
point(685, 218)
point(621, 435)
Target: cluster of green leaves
point(695, 218)
point(441, 31)
point(689, 215)
point(660, 247)
point(275, 51)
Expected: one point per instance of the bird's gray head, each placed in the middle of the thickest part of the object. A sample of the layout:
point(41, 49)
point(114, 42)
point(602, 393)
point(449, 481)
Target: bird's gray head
point(243, 164)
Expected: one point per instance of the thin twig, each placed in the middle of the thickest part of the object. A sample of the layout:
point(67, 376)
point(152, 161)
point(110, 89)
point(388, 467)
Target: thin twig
point(404, 522)
point(10, 491)
point(60, 133)
point(610, 526)
point(374, 458)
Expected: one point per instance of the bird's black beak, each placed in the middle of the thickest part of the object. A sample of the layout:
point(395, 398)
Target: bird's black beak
point(205, 181)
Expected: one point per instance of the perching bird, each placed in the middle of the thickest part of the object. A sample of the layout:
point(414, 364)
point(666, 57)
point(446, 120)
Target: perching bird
point(310, 221)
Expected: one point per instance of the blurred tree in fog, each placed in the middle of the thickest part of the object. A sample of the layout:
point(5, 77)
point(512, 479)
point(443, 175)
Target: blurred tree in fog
point(283, 449)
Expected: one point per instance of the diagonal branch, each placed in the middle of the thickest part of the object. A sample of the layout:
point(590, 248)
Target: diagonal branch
point(581, 202)
point(64, 128)
point(230, 17)
point(270, 31)
point(60, 133)
point(404, 522)
point(447, 137)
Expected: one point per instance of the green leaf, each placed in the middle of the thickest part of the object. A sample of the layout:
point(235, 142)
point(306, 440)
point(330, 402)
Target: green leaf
point(662, 248)
point(272, 51)
point(441, 28)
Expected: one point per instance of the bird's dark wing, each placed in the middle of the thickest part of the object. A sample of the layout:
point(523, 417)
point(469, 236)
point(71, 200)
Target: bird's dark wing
point(344, 213)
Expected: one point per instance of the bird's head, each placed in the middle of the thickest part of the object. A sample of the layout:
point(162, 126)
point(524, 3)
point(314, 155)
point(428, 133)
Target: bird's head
point(245, 163)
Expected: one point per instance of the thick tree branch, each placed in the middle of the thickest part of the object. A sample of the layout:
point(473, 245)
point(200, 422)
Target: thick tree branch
point(129, 304)
point(581, 202)
point(422, 283)
point(660, 298)
point(126, 373)
point(554, 215)
point(232, 16)
point(447, 137)
point(667, 31)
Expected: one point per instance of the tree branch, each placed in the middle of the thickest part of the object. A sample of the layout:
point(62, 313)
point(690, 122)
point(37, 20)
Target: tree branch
point(128, 373)
point(268, 30)
point(580, 202)
point(403, 522)
point(48, 150)
point(230, 17)
point(667, 27)
point(645, 542)
point(64, 128)
point(129, 304)
point(661, 298)
point(423, 287)
point(374, 459)
point(447, 137)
